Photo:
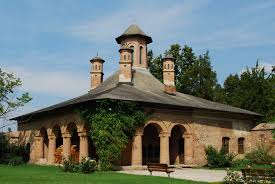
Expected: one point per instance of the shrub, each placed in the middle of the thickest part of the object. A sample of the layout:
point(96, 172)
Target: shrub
point(87, 165)
point(69, 165)
point(233, 177)
point(16, 160)
point(260, 155)
point(218, 159)
point(241, 163)
point(12, 154)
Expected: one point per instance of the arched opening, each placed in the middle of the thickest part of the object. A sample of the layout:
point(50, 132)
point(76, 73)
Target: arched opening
point(176, 145)
point(72, 129)
point(151, 144)
point(140, 54)
point(44, 135)
point(59, 144)
point(132, 47)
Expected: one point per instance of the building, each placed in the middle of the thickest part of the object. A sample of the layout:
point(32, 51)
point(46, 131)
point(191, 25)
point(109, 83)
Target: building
point(177, 132)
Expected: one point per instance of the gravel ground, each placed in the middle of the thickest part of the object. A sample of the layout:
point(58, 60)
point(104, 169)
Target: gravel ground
point(186, 173)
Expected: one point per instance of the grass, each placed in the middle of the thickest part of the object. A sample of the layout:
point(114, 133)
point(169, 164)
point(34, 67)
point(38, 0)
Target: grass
point(28, 174)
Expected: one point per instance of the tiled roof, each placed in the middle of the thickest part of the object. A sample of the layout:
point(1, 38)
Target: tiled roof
point(145, 88)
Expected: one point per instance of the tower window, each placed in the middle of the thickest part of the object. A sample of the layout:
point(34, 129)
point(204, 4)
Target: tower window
point(225, 144)
point(124, 57)
point(168, 66)
point(96, 67)
point(129, 57)
point(132, 47)
point(99, 67)
point(241, 145)
point(140, 55)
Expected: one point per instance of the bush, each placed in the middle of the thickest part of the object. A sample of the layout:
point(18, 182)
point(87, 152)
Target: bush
point(12, 154)
point(85, 166)
point(233, 177)
point(218, 159)
point(261, 155)
point(14, 161)
point(241, 163)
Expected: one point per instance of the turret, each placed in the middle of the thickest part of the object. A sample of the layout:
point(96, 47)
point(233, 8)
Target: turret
point(96, 71)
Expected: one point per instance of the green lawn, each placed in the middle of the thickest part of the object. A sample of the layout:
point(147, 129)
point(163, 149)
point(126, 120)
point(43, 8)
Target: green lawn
point(27, 174)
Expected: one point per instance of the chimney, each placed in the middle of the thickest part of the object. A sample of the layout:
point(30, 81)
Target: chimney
point(125, 64)
point(97, 72)
point(169, 74)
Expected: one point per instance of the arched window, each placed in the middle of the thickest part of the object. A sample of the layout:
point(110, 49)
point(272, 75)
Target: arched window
point(124, 57)
point(132, 47)
point(241, 145)
point(225, 144)
point(99, 67)
point(96, 67)
point(140, 54)
point(129, 57)
point(167, 66)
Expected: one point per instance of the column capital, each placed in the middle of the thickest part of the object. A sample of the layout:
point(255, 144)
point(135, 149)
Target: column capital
point(51, 137)
point(164, 134)
point(37, 138)
point(66, 135)
point(82, 134)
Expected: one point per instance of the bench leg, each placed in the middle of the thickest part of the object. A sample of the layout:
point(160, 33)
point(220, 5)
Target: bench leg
point(168, 175)
point(150, 173)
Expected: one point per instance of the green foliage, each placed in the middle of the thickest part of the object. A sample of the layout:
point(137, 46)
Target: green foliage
point(9, 98)
point(194, 74)
point(16, 160)
point(242, 163)
point(253, 90)
point(12, 154)
point(260, 155)
point(218, 159)
point(85, 166)
point(112, 124)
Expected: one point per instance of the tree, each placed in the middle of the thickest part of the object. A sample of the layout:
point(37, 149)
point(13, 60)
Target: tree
point(10, 98)
point(194, 75)
point(253, 90)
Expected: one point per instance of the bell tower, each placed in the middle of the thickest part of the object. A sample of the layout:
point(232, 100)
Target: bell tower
point(137, 40)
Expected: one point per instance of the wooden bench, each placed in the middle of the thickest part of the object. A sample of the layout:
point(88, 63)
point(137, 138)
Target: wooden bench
point(158, 167)
point(259, 175)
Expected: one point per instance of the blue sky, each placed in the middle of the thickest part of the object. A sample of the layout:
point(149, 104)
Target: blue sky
point(48, 44)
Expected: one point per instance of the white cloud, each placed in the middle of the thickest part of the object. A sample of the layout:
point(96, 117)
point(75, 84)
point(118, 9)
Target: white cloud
point(64, 84)
point(156, 19)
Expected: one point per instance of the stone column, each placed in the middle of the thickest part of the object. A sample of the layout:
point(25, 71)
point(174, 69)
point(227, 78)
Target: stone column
point(83, 146)
point(66, 145)
point(39, 147)
point(52, 148)
point(188, 148)
point(137, 150)
point(164, 148)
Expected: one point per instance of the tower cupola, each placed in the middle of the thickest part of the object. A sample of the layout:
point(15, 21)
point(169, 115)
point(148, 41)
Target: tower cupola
point(125, 64)
point(137, 40)
point(96, 72)
point(169, 74)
